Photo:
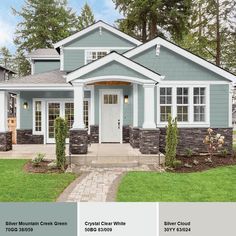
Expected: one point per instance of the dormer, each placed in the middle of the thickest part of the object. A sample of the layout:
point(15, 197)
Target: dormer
point(44, 60)
point(91, 44)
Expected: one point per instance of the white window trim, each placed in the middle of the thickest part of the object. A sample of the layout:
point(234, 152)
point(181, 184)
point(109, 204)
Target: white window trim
point(93, 50)
point(190, 122)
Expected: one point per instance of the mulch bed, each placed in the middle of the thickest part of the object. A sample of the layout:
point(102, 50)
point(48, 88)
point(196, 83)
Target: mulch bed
point(41, 168)
point(202, 163)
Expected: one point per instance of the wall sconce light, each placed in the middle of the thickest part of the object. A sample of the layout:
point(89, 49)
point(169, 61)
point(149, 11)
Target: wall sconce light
point(126, 99)
point(25, 105)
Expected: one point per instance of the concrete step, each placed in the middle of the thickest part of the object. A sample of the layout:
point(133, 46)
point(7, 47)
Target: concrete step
point(110, 164)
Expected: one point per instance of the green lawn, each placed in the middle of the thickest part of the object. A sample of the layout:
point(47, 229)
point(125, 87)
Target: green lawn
point(16, 185)
point(213, 185)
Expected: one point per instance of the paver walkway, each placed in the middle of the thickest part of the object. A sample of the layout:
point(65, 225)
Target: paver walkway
point(94, 186)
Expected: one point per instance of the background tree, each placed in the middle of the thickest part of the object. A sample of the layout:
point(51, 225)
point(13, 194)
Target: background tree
point(5, 57)
point(86, 17)
point(43, 23)
point(147, 19)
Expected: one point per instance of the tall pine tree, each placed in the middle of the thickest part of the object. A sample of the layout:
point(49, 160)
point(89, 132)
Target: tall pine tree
point(86, 17)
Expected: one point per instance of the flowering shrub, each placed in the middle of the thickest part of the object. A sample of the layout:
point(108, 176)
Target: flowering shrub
point(39, 158)
point(213, 141)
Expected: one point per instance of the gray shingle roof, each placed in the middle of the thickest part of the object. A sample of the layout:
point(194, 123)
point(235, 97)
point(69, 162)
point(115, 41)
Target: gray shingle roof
point(5, 69)
point(51, 77)
point(44, 52)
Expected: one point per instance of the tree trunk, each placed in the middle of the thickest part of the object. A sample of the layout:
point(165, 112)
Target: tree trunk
point(153, 28)
point(144, 30)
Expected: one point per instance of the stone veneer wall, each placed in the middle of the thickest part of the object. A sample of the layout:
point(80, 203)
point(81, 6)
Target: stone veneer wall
point(26, 136)
point(134, 137)
point(149, 141)
point(126, 134)
point(94, 134)
point(78, 141)
point(5, 141)
point(193, 138)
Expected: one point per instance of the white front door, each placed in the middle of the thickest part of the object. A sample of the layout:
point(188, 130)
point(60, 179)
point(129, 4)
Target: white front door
point(110, 115)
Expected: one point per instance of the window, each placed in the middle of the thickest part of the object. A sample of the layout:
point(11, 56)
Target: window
point(86, 114)
point(182, 104)
point(69, 114)
point(199, 101)
point(165, 103)
point(94, 55)
point(38, 116)
point(110, 99)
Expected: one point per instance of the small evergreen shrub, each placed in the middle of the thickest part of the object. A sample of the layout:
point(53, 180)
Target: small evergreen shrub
point(188, 152)
point(171, 142)
point(60, 136)
point(39, 158)
point(224, 152)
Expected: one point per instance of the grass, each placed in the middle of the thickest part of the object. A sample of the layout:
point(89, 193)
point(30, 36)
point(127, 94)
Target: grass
point(215, 185)
point(17, 185)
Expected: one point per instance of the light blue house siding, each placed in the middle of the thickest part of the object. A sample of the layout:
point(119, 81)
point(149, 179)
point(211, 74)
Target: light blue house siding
point(75, 58)
point(114, 68)
point(127, 108)
point(46, 65)
point(219, 105)
point(173, 66)
point(26, 116)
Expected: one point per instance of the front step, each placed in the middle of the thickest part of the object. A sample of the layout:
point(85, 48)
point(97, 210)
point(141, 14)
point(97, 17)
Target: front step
point(120, 164)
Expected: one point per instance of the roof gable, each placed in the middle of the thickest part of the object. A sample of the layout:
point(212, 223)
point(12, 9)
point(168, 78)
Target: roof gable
point(97, 25)
point(157, 42)
point(111, 61)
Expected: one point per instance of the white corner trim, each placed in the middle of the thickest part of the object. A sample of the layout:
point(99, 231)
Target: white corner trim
point(94, 26)
point(230, 104)
point(109, 58)
point(61, 58)
point(183, 53)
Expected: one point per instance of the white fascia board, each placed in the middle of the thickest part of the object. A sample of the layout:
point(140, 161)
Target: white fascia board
point(92, 27)
point(109, 58)
point(183, 53)
point(35, 87)
point(45, 58)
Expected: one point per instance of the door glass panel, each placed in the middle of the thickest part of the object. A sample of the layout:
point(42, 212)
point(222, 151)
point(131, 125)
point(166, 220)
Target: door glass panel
point(53, 113)
point(110, 99)
point(86, 114)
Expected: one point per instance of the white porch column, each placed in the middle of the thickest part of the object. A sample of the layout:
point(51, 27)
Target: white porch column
point(149, 116)
point(4, 111)
point(78, 106)
point(135, 105)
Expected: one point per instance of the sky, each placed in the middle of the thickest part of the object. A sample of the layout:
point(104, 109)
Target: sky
point(102, 9)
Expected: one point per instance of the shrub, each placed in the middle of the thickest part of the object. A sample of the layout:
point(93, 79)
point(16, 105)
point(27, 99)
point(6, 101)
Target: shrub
point(224, 152)
point(213, 141)
point(52, 165)
point(60, 136)
point(188, 152)
point(39, 158)
point(171, 141)
point(177, 163)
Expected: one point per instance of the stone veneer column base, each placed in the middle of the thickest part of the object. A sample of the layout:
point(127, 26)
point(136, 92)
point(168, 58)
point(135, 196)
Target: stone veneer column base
point(193, 138)
point(5, 141)
point(134, 137)
point(78, 141)
point(149, 141)
point(26, 136)
point(94, 134)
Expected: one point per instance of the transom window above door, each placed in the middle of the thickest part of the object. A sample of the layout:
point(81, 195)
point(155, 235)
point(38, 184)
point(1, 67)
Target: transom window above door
point(93, 55)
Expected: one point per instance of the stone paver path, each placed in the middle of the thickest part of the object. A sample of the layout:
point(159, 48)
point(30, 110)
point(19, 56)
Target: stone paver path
point(94, 187)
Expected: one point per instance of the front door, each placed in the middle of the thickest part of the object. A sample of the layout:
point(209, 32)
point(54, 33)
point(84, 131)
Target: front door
point(111, 122)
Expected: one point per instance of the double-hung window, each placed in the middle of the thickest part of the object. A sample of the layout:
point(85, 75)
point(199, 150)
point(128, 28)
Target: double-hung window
point(93, 55)
point(165, 103)
point(199, 104)
point(182, 100)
